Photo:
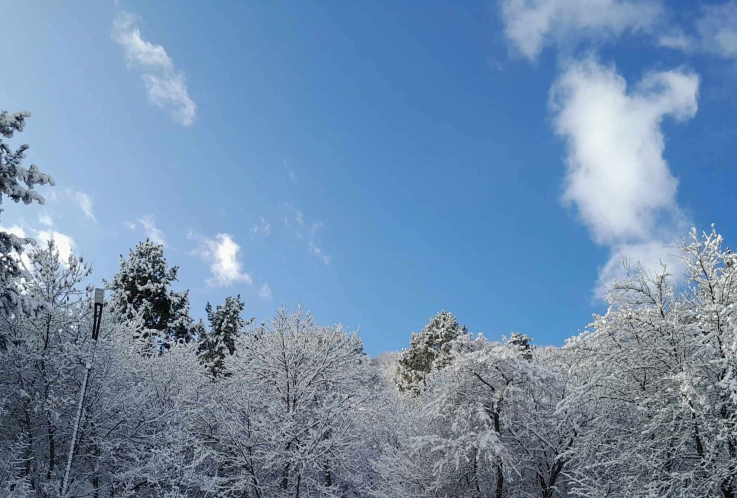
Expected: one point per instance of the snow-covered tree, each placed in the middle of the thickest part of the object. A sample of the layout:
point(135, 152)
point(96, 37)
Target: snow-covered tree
point(142, 288)
point(642, 404)
point(467, 445)
point(226, 324)
point(284, 423)
point(16, 183)
point(429, 349)
point(39, 367)
point(138, 434)
point(523, 344)
point(656, 383)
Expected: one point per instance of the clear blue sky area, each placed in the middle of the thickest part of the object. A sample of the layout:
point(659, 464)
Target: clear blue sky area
point(375, 161)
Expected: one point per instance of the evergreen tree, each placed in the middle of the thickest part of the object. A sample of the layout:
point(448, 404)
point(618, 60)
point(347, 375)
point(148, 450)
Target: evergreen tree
point(142, 287)
point(521, 342)
point(429, 349)
point(199, 331)
point(225, 325)
point(12, 176)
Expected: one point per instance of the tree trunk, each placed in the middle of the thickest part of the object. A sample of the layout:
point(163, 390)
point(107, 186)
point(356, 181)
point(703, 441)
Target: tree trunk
point(499, 493)
point(476, 473)
point(52, 447)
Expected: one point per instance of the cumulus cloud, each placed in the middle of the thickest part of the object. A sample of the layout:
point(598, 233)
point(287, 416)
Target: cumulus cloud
point(616, 176)
point(165, 86)
point(149, 226)
point(222, 253)
point(531, 25)
point(265, 292)
point(263, 228)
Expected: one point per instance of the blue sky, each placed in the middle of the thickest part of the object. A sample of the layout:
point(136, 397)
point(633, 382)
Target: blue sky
point(380, 161)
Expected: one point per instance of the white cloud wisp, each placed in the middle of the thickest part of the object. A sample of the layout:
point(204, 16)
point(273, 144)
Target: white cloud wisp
point(265, 292)
point(152, 232)
point(531, 25)
point(165, 86)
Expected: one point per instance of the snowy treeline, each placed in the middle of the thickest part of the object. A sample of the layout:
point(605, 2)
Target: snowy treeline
point(642, 404)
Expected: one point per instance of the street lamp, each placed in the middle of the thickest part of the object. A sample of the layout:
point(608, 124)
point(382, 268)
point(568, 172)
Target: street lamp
point(97, 315)
point(96, 319)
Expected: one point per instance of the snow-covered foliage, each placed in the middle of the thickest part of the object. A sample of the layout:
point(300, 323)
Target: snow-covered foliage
point(226, 324)
point(141, 291)
point(285, 421)
point(16, 183)
point(429, 349)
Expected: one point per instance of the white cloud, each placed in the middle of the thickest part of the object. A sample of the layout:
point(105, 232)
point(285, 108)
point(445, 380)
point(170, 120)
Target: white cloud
point(83, 201)
point(533, 24)
point(676, 40)
point(263, 228)
point(14, 230)
point(718, 29)
point(714, 32)
point(292, 176)
point(163, 91)
point(616, 175)
point(64, 243)
point(222, 254)
point(166, 87)
point(265, 292)
point(318, 252)
point(149, 226)
point(138, 51)
point(45, 219)
point(308, 232)
point(129, 225)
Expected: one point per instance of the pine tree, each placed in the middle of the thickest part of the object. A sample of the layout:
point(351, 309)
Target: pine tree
point(225, 326)
point(199, 331)
point(429, 349)
point(522, 343)
point(142, 287)
point(12, 176)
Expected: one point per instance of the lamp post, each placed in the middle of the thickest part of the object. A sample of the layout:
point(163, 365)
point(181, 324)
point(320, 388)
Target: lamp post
point(96, 319)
